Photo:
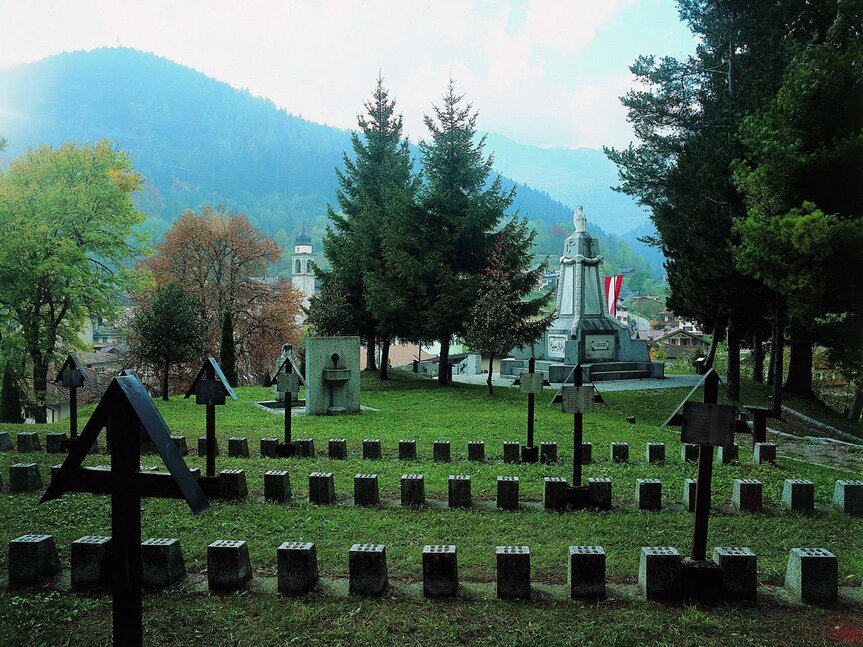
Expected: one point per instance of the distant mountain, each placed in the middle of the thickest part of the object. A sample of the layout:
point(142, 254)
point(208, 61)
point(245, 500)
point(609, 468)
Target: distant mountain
point(199, 141)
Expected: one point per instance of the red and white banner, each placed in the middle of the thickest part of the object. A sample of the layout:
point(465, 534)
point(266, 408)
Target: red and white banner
point(612, 292)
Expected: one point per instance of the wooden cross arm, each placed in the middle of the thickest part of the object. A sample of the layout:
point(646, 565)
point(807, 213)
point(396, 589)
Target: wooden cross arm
point(99, 480)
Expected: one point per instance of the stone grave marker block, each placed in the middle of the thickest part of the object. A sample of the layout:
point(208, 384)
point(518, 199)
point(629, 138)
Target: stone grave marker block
point(238, 447)
point(586, 572)
point(407, 450)
point(648, 494)
point(54, 442)
point(32, 558)
point(28, 441)
point(689, 486)
point(181, 445)
point(441, 451)
point(619, 452)
point(764, 453)
point(812, 575)
point(24, 477)
point(513, 571)
point(747, 495)
point(305, 447)
point(848, 497)
point(739, 572)
point(162, 561)
point(688, 453)
point(507, 492)
point(659, 573)
point(701, 579)
point(413, 490)
point(586, 453)
point(798, 495)
point(555, 493)
point(5, 442)
point(654, 453)
point(202, 446)
point(90, 559)
point(600, 492)
point(476, 450)
point(372, 449)
point(511, 452)
point(729, 454)
point(228, 565)
point(277, 485)
point(322, 489)
point(440, 571)
point(337, 448)
point(297, 567)
point(366, 489)
point(548, 452)
point(268, 447)
point(458, 489)
point(367, 567)
point(232, 484)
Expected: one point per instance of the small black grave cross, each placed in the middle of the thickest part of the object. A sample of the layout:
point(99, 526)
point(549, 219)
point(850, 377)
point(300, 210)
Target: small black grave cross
point(287, 381)
point(577, 400)
point(128, 412)
point(210, 387)
point(73, 376)
point(530, 383)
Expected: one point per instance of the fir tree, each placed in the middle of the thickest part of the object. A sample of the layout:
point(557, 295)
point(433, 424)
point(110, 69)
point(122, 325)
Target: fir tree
point(227, 352)
point(10, 398)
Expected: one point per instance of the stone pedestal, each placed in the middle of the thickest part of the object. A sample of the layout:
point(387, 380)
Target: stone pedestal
point(24, 477)
point(181, 445)
point(747, 495)
point(202, 446)
point(31, 559)
point(55, 442)
point(654, 453)
point(507, 492)
point(28, 441)
point(5, 442)
point(407, 450)
point(764, 453)
point(337, 448)
point(413, 490)
point(848, 497)
point(586, 572)
point(729, 454)
point(701, 580)
point(586, 453)
point(440, 571)
point(366, 489)
point(441, 451)
point(688, 453)
point(232, 484)
point(277, 485)
point(297, 567)
point(367, 565)
point(648, 494)
point(600, 492)
point(228, 565)
point(511, 452)
point(305, 447)
point(689, 487)
point(548, 452)
point(619, 452)
point(458, 487)
point(372, 449)
point(798, 495)
point(813, 575)
point(739, 572)
point(555, 493)
point(659, 573)
point(91, 562)
point(238, 447)
point(513, 571)
point(162, 561)
point(476, 451)
point(268, 447)
point(322, 489)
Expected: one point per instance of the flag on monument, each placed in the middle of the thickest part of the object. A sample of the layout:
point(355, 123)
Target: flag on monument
point(612, 292)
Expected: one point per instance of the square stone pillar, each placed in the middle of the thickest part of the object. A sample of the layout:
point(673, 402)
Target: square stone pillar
point(238, 447)
point(297, 567)
point(366, 489)
point(548, 452)
point(600, 492)
point(413, 490)
point(739, 572)
point(407, 450)
point(476, 451)
point(511, 452)
point(162, 561)
point(764, 453)
point(813, 575)
point(619, 452)
point(659, 573)
point(228, 565)
point(232, 484)
point(322, 488)
point(268, 447)
point(654, 453)
point(367, 566)
point(442, 451)
point(91, 562)
point(648, 494)
point(337, 448)
point(555, 493)
point(689, 487)
point(586, 572)
point(513, 571)
point(31, 559)
point(507, 492)
point(440, 571)
point(747, 495)
point(458, 487)
point(848, 497)
point(372, 448)
point(798, 495)
point(277, 485)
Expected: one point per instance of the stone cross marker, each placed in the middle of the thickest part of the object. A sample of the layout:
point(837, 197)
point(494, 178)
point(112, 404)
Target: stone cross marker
point(127, 410)
point(73, 376)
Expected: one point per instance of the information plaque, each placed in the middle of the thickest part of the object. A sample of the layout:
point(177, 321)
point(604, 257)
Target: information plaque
point(578, 399)
point(531, 383)
point(708, 424)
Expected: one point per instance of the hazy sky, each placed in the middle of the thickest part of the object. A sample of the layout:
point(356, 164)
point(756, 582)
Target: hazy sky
point(543, 72)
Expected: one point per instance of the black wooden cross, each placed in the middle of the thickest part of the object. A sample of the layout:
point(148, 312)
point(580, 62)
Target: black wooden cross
point(73, 376)
point(210, 387)
point(287, 381)
point(128, 412)
point(531, 384)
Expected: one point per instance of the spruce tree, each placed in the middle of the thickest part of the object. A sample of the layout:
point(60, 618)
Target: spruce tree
point(10, 398)
point(227, 351)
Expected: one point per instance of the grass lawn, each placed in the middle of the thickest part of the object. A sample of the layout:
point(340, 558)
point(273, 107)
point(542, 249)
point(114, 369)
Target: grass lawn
point(414, 408)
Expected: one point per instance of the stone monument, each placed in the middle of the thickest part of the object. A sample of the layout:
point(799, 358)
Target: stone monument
point(583, 332)
point(332, 375)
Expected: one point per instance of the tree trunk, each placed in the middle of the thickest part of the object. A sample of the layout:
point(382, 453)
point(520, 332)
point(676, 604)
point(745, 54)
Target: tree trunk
point(385, 359)
point(711, 354)
point(490, 372)
point(799, 380)
point(777, 360)
point(733, 348)
point(857, 407)
point(757, 359)
point(371, 364)
point(165, 381)
point(40, 387)
point(443, 361)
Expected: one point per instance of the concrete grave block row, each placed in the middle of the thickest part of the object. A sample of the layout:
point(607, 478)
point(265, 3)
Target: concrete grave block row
point(55, 442)
point(848, 497)
point(619, 452)
point(372, 449)
point(277, 485)
point(268, 447)
point(24, 477)
point(202, 446)
point(654, 453)
point(366, 489)
point(648, 494)
point(5, 442)
point(28, 441)
point(764, 453)
point(337, 448)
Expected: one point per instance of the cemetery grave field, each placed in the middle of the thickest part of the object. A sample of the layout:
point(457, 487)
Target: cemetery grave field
point(413, 408)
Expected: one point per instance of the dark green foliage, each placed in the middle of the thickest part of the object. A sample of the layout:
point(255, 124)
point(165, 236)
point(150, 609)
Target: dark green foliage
point(330, 313)
point(10, 397)
point(227, 351)
point(166, 330)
